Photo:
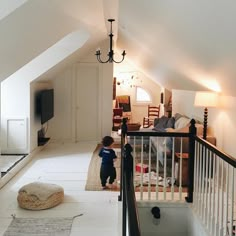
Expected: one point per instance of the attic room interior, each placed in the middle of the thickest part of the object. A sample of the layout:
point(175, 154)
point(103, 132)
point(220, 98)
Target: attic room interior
point(58, 100)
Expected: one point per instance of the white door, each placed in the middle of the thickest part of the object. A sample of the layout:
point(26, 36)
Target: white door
point(87, 86)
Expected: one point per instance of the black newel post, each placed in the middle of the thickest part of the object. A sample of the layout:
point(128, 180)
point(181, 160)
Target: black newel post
point(192, 131)
point(123, 137)
point(122, 182)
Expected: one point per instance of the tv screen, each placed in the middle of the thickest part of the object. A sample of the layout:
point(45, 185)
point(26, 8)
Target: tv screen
point(46, 105)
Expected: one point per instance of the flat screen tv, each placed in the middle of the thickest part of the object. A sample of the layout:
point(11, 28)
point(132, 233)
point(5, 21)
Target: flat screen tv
point(45, 105)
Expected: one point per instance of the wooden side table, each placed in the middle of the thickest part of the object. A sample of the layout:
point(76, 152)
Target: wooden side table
point(184, 157)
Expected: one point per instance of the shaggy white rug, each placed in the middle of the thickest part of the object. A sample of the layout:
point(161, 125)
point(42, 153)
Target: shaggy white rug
point(40, 226)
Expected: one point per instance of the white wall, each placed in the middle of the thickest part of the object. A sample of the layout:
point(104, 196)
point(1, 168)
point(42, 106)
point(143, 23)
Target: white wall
point(220, 120)
point(140, 110)
point(15, 97)
point(18, 102)
point(62, 126)
point(177, 219)
point(106, 96)
point(18, 111)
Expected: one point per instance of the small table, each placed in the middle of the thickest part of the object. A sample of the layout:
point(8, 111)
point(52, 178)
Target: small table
point(184, 157)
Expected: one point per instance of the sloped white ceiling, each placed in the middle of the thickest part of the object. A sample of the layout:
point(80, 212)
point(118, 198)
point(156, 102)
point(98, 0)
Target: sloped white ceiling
point(9, 6)
point(180, 44)
point(37, 25)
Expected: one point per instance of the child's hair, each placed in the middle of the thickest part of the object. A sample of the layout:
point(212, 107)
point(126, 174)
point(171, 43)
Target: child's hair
point(107, 141)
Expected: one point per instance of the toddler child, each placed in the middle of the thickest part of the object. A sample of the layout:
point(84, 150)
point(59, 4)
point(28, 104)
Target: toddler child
point(108, 156)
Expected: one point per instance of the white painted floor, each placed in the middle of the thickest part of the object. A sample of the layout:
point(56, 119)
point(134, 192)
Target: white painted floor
point(67, 166)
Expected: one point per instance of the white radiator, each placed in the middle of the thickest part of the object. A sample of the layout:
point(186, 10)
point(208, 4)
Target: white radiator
point(15, 136)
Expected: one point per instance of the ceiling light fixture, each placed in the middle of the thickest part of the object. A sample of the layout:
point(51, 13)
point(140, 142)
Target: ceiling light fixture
point(111, 52)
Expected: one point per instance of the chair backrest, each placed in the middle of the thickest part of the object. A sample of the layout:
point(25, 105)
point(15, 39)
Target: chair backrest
point(153, 111)
point(117, 112)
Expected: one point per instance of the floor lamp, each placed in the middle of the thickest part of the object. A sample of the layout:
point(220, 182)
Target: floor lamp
point(205, 99)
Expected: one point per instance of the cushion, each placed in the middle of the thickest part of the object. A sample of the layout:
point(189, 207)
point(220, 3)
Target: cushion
point(39, 196)
point(177, 116)
point(156, 121)
point(170, 122)
point(181, 122)
point(161, 124)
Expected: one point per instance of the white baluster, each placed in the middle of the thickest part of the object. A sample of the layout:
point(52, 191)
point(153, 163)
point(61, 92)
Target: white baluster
point(195, 176)
point(217, 212)
point(165, 164)
point(206, 187)
point(157, 170)
point(141, 179)
point(222, 199)
point(149, 170)
point(203, 182)
point(209, 193)
point(226, 198)
point(180, 169)
point(173, 170)
point(232, 204)
point(213, 220)
point(200, 181)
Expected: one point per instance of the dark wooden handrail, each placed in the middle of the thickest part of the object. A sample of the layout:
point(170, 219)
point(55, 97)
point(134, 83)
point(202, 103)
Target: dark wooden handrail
point(127, 194)
point(157, 134)
point(132, 212)
point(227, 158)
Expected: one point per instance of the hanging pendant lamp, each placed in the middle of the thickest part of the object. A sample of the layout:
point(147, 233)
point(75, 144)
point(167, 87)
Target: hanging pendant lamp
point(111, 52)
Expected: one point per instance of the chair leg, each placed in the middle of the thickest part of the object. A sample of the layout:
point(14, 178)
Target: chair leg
point(145, 122)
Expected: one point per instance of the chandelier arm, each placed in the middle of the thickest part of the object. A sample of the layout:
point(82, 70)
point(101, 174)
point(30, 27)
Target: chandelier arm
point(99, 59)
point(118, 61)
point(123, 54)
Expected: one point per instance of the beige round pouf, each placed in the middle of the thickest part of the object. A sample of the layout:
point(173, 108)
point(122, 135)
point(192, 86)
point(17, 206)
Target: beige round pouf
point(39, 196)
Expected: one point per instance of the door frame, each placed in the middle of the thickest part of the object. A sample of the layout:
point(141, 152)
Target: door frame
point(74, 99)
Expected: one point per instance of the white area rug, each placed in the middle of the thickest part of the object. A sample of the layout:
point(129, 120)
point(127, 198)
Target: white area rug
point(9, 161)
point(40, 227)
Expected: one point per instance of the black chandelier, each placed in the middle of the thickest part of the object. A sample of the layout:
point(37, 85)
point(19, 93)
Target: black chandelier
point(111, 52)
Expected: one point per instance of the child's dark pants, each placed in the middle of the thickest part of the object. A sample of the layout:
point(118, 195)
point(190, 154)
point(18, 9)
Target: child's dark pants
point(105, 172)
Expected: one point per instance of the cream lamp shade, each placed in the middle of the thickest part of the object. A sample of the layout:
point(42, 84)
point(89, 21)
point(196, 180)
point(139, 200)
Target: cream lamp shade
point(206, 99)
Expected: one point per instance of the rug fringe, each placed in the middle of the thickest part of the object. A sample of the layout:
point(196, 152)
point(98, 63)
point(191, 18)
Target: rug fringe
point(14, 216)
point(77, 215)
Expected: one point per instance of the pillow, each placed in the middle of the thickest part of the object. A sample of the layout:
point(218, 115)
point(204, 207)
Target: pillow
point(170, 122)
point(181, 122)
point(177, 116)
point(161, 124)
point(156, 121)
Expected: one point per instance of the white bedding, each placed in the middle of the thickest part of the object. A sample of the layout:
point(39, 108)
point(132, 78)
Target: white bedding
point(160, 145)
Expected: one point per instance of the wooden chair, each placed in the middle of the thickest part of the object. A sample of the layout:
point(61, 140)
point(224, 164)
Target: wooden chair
point(117, 118)
point(123, 101)
point(153, 113)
